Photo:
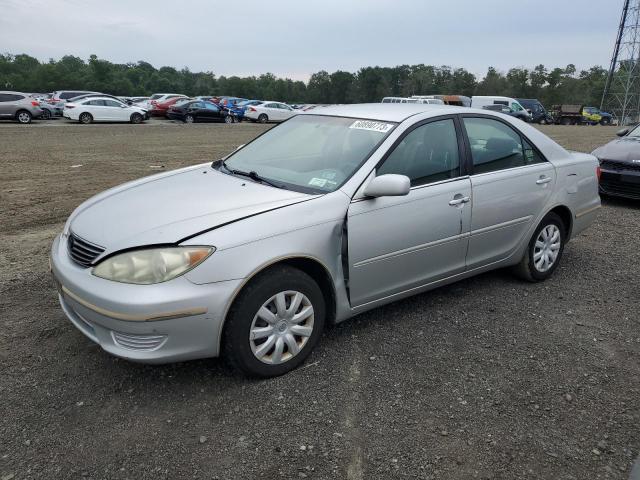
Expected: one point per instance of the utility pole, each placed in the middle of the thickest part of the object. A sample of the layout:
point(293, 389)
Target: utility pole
point(621, 94)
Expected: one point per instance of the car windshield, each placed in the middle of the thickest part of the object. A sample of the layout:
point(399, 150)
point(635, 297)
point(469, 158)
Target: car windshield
point(635, 132)
point(310, 153)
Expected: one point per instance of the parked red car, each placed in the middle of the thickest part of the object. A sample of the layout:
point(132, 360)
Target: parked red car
point(160, 109)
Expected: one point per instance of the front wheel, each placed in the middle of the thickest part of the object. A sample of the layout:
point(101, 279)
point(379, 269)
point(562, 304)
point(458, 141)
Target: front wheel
point(544, 250)
point(274, 323)
point(228, 119)
point(46, 114)
point(605, 122)
point(136, 118)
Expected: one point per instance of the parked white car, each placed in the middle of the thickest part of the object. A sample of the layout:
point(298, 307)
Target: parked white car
point(269, 112)
point(103, 109)
point(426, 100)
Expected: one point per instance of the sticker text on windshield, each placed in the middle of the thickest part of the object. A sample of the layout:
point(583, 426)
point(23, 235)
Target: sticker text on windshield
point(371, 126)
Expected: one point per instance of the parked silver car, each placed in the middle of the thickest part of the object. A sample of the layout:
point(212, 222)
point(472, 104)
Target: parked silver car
point(19, 106)
point(327, 215)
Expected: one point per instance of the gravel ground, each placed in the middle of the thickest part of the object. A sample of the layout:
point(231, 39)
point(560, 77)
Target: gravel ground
point(487, 378)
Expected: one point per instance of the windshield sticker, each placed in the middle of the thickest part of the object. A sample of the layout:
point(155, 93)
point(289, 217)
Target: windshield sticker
point(318, 182)
point(371, 126)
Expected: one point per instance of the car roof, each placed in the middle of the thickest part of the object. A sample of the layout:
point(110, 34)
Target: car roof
point(389, 112)
point(95, 97)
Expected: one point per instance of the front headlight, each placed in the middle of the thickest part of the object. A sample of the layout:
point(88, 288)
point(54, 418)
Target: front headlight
point(144, 267)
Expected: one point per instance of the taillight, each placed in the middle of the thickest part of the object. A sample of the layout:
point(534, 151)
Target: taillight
point(598, 172)
point(34, 103)
point(53, 100)
point(66, 105)
point(251, 109)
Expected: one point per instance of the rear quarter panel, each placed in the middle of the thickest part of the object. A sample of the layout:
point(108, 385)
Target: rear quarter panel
point(577, 188)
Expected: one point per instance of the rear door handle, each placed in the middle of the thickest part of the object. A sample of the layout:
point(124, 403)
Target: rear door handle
point(458, 200)
point(542, 180)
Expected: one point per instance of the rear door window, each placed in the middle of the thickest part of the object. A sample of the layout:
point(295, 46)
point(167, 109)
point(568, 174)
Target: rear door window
point(496, 146)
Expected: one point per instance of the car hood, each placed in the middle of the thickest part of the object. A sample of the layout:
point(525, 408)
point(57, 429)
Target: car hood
point(167, 208)
point(624, 149)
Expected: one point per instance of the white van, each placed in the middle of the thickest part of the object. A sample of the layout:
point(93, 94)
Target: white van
point(432, 101)
point(480, 101)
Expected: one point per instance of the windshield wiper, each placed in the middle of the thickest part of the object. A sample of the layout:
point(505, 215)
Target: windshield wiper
point(253, 175)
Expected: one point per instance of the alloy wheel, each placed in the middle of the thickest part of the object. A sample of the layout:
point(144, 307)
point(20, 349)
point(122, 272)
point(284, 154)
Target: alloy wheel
point(547, 247)
point(24, 117)
point(282, 327)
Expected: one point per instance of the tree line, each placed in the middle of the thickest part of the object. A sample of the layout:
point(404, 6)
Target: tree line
point(369, 84)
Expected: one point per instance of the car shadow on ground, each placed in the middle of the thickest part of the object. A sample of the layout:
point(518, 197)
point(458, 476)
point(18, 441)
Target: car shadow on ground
point(620, 202)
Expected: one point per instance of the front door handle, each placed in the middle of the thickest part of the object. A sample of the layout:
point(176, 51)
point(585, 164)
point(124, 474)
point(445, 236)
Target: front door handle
point(543, 179)
point(458, 200)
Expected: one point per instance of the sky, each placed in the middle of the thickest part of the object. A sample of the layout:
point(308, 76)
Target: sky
point(295, 38)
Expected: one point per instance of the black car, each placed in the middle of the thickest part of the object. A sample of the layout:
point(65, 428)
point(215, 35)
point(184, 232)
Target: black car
point(620, 165)
point(199, 111)
point(537, 110)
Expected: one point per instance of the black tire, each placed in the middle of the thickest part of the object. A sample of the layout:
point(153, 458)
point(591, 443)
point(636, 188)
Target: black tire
point(46, 114)
point(527, 269)
point(23, 116)
point(85, 118)
point(189, 119)
point(605, 122)
point(543, 121)
point(237, 348)
point(565, 121)
point(136, 118)
point(262, 118)
point(228, 119)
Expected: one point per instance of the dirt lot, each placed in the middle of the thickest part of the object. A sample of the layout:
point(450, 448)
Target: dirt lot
point(488, 378)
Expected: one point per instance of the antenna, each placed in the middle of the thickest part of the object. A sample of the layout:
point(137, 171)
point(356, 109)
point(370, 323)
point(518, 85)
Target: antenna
point(621, 94)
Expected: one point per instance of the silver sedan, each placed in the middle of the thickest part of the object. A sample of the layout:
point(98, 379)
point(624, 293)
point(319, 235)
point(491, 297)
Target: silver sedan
point(332, 213)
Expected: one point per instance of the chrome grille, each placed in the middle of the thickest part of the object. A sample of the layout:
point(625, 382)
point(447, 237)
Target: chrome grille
point(81, 251)
point(138, 342)
point(619, 166)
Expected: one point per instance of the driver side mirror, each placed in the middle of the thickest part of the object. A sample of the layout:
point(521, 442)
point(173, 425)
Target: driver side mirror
point(389, 185)
point(622, 132)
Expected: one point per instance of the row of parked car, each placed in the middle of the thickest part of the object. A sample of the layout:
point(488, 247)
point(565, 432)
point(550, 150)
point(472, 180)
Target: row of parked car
point(526, 109)
point(88, 107)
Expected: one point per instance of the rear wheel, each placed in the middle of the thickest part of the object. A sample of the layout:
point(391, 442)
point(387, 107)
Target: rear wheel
point(189, 119)
point(274, 323)
point(23, 116)
point(544, 250)
point(262, 118)
point(85, 118)
point(136, 118)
